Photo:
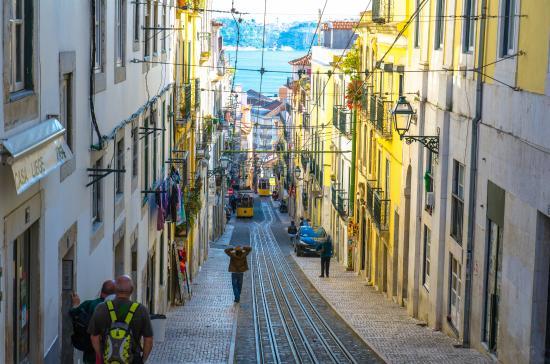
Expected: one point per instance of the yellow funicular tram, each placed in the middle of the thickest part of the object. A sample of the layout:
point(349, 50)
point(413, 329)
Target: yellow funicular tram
point(245, 205)
point(264, 188)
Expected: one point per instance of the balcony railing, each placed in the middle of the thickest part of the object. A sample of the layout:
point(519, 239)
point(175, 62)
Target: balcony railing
point(339, 200)
point(381, 213)
point(381, 11)
point(371, 187)
point(197, 93)
point(345, 120)
point(379, 116)
point(342, 204)
point(183, 95)
point(305, 120)
point(341, 119)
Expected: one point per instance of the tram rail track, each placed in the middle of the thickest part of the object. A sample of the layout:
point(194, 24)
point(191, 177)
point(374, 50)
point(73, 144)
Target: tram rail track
point(287, 325)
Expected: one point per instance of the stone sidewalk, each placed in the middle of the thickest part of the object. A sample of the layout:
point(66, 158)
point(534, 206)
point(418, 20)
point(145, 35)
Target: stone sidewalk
point(203, 330)
point(384, 325)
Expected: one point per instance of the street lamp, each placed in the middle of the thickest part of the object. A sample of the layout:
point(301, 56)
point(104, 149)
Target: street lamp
point(402, 114)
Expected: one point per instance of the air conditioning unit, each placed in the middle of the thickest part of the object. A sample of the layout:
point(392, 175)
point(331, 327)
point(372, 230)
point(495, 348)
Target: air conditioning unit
point(430, 199)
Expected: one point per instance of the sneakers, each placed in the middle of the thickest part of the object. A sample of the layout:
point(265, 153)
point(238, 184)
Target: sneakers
point(321, 276)
point(237, 301)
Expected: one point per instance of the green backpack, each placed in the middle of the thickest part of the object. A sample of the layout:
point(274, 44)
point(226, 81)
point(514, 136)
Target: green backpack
point(118, 340)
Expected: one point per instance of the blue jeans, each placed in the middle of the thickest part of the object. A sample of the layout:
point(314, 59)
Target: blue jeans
point(237, 282)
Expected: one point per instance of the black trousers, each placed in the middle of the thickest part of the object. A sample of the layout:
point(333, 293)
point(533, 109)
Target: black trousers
point(325, 266)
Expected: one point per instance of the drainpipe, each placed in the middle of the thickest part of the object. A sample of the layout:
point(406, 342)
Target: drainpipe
point(473, 180)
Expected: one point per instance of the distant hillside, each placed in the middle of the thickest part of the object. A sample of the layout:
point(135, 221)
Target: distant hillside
point(295, 35)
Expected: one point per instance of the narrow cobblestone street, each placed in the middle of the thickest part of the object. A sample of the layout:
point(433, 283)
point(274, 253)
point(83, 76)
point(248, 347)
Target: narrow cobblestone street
point(210, 328)
point(202, 330)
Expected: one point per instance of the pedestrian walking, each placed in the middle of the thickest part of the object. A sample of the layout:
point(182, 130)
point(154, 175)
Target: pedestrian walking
point(80, 314)
point(302, 222)
point(237, 266)
point(233, 203)
point(118, 327)
point(325, 250)
point(292, 231)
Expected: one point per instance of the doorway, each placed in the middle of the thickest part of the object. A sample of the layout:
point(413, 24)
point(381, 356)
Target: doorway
point(120, 257)
point(363, 240)
point(395, 254)
point(24, 302)
point(405, 273)
point(150, 297)
point(67, 288)
point(384, 267)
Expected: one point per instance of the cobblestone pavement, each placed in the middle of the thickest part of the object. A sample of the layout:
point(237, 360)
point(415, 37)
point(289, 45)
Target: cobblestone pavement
point(202, 331)
point(384, 325)
point(245, 347)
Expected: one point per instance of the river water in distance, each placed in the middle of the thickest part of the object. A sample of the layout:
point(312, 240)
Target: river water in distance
point(273, 61)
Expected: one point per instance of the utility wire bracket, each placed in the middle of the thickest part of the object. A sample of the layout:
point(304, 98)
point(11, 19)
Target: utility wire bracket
point(99, 173)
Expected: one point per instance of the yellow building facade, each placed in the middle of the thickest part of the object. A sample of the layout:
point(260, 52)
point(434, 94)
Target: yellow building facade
point(379, 153)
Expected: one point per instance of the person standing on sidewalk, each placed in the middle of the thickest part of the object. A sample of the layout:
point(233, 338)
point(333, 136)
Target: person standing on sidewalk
point(237, 266)
point(292, 231)
point(325, 250)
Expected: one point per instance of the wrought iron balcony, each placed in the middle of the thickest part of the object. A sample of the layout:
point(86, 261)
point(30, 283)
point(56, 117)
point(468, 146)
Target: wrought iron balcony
point(345, 120)
point(343, 204)
point(341, 119)
point(371, 187)
point(334, 193)
point(381, 11)
point(381, 211)
point(379, 116)
point(197, 93)
point(305, 120)
point(183, 111)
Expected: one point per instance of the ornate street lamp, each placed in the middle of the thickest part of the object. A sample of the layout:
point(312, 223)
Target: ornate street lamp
point(402, 114)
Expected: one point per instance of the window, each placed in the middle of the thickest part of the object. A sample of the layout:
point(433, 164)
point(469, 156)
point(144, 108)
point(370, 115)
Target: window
point(439, 24)
point(468, 26)
point(97, 196)
point(120, 26)
point(99, 34)
point(507, 27)
point(21, 45)
point(365, 146)
point(145, 155)
point(155, 135)
point(387, 186)
point(119, 176)
point(427, 259)
point(135, 139)
point(164, 33)
point(146, 25)
point(67, 108)
point(155, 27)
point(457, 204)
point(137, 15)
point(455, 287)
point(429, 181)
point(417, 28)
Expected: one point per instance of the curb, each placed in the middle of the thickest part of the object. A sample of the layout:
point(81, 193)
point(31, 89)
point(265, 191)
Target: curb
point(383, 357)
point(231, 358)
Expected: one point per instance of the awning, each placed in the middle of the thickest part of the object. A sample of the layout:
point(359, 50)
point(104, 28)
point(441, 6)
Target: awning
point(36, 152)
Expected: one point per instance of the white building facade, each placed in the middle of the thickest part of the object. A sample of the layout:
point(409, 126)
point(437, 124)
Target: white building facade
point(76, 106)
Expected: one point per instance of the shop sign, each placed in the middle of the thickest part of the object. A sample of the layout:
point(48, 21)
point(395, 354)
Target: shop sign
point(33, 166)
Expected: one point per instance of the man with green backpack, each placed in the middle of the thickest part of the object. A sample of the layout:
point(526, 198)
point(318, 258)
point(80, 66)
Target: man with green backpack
point(117, 327)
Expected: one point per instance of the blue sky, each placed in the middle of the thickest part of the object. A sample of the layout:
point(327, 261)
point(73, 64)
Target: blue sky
point(285, 11)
